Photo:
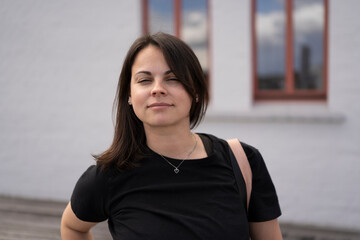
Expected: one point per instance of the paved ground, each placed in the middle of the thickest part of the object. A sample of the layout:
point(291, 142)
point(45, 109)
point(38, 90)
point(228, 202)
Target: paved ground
point(22, 219)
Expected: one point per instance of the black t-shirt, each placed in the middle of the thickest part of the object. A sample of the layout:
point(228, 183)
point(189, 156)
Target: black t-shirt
point(202, 201)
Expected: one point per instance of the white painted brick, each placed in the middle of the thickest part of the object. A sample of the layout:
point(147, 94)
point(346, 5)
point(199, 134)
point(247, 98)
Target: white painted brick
point(60, 61)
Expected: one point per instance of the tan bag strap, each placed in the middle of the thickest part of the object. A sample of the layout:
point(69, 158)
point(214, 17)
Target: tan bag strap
point(243, 164)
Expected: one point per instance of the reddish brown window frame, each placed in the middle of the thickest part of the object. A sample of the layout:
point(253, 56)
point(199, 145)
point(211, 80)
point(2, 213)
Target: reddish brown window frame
point(177, 27)
point(289, 93)
point(177, 17)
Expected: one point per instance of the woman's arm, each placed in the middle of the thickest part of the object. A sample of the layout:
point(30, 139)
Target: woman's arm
point(269, 230)
point(72, 228)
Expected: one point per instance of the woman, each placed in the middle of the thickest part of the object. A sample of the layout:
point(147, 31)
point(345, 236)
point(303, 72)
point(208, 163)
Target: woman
point(158, 180)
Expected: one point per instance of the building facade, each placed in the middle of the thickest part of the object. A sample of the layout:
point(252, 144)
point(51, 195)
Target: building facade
point(60, 61)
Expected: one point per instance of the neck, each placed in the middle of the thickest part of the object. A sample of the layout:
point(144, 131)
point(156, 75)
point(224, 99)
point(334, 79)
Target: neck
point(171, 142)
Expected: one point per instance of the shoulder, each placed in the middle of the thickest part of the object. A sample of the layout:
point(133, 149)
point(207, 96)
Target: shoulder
point(215, 141)
point(91, 193)
point(92, 181)
point(264, 205)
point(250, 151)
point(94, 175)
point(253, 155)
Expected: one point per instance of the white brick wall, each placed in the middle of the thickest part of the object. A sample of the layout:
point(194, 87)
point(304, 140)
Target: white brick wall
point(231, 74)
point(60, 61)
point(311, 149)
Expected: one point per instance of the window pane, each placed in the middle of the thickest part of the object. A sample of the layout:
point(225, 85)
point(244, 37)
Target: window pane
point(161, 17)
point(270, 32)
point(308, 20)
point(194, 28)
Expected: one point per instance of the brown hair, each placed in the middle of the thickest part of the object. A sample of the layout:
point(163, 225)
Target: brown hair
point(129, 143)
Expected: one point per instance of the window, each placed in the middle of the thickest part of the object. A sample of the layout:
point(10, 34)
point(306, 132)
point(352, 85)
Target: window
point(186, 19)
point(290, 49)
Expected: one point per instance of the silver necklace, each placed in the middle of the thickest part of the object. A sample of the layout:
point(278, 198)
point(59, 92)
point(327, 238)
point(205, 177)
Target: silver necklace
point(176, 168)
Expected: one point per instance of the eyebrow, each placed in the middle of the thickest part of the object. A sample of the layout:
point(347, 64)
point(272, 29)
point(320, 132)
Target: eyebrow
point(149, 73)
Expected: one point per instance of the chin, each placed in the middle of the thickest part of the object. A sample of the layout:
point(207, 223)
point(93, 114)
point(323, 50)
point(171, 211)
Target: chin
point(161, 123)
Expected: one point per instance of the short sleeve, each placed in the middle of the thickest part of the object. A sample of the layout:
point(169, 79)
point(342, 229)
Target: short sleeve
point(90, 196)
point(264, 203)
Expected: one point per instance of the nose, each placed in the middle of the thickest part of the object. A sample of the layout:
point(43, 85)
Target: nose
point(158, 89)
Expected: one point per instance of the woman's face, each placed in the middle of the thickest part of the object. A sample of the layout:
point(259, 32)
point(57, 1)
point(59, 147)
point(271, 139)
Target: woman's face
point(157, 96)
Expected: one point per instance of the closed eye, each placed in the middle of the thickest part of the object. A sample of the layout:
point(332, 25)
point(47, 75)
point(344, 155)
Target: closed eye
point(145, 80)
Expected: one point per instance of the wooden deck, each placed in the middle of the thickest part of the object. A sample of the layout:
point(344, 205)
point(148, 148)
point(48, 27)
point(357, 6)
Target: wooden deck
point(22, 219)
point(28, 219)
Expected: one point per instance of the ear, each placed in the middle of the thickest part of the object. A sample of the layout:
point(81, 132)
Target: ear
point(197, 98)
point(129, 100)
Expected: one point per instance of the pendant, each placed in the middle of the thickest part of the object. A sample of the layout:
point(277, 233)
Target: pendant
point(176, 170)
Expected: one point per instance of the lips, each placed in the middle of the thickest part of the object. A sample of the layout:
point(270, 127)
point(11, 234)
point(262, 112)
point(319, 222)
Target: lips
point(159, 105)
